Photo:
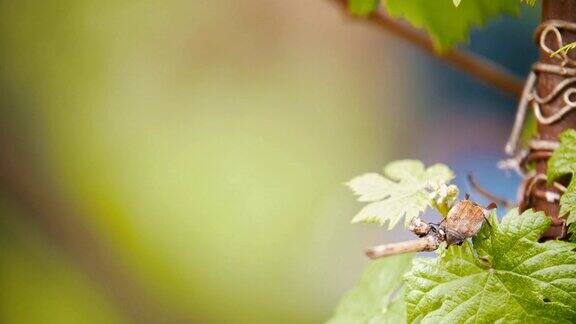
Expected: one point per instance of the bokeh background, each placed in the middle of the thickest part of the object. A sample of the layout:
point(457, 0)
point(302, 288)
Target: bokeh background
point(183, 161)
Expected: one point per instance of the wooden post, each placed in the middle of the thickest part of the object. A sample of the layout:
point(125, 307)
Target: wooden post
point(550, 100)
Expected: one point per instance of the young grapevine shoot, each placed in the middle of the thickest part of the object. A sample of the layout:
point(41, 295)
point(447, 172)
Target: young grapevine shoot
point(503, 273)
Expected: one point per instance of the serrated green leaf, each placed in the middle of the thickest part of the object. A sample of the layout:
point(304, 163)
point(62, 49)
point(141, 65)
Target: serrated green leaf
point(401, 193)
point(507, 276)
point(446, 23)
point(362, 7)
point(563, 162)
point(568, 207)
point(378, 298)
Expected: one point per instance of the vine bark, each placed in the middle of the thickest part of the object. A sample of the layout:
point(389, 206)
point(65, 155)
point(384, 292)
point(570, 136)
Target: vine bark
point(553, 81)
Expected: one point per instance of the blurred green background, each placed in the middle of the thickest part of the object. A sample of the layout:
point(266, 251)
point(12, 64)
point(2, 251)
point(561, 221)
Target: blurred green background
point(183, 161)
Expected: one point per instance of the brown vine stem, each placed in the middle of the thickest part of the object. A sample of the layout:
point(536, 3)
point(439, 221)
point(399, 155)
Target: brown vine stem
point(424, 244)
point(553, 88)
point(478, 67)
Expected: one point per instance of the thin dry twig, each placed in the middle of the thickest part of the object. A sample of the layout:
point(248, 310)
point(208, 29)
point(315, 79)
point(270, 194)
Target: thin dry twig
point(487, 194)
point(424, 244)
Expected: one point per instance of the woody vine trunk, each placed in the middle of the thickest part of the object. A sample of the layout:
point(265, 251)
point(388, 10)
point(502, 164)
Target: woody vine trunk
point(552, 100)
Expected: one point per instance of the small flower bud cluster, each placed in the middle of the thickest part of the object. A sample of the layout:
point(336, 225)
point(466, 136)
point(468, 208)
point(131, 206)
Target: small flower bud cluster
point(443, 197)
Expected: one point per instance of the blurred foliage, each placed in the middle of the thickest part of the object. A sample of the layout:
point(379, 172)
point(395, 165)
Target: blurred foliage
point(448, 22)
point(379, 297)
point(39, 284)
point(207, 142)
point(363, 7)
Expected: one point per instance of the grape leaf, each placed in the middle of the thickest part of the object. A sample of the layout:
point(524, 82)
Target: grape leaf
point(563, 162)
point(363, 7)
point(378, 296)
point(448, 22)
point(568, 207)
point(403, 192)
point(506, 276)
